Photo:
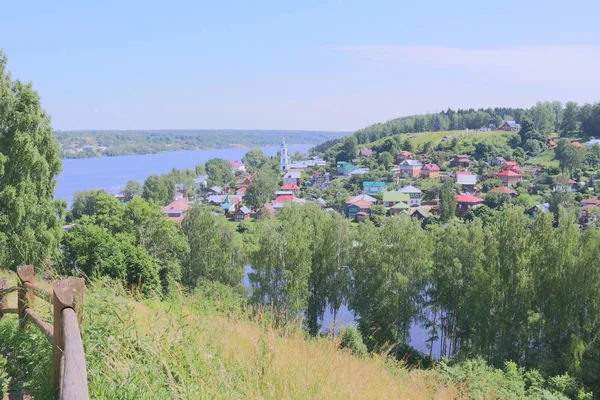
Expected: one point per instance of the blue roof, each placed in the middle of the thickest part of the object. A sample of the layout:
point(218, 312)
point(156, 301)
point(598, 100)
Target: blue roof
point(369, 183)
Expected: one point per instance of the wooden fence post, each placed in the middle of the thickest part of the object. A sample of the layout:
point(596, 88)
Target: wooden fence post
point(67, 294)
point(3, 299)
point(25, 299)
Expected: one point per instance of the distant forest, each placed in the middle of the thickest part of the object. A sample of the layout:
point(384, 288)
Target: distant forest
point(86, 144)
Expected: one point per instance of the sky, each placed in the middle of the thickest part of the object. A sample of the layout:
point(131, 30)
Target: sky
point(314, 65)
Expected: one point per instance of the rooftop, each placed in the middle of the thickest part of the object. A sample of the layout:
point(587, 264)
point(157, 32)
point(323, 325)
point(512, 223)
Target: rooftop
point(468, 199)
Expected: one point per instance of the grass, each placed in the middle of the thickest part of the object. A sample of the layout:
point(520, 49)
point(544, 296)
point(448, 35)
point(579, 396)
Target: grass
point(210, 346)
point(194, 347)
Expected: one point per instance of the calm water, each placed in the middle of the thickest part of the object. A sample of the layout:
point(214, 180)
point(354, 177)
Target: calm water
point(112, 174)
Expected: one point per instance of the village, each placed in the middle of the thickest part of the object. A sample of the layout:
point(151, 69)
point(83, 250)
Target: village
point(361, 188)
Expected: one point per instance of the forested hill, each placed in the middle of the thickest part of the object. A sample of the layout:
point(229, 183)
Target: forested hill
point(449, 120)
point(85, 144)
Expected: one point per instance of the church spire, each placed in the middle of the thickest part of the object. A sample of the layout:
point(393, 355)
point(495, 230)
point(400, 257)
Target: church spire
point(284, 160)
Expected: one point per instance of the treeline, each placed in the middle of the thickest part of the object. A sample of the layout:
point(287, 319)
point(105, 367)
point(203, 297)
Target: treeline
point(118, 143)
point(504, 287)
point(544, 118)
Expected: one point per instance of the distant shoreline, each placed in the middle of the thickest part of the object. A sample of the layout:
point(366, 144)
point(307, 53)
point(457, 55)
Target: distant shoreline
point(181, 150)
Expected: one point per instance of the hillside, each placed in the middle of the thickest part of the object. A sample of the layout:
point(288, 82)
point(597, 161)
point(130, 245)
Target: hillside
point(86, 144)
point(210, 346)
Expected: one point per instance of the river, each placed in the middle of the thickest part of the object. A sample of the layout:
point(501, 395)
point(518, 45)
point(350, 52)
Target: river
point(112, 174)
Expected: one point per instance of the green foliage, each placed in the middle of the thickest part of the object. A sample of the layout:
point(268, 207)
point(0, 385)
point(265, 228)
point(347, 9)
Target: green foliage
point(570, 122)
point(264, 184)
point(447, 201)
point(219, 172)
point(385, 159)
point(350, 148)
point(132, 189)
point(351, 339)
point(215, 249)
point(84, 203)
point(568, 156)
point(29, 229)
point(200, 169)
point(159, 189)
point(255, 159)
point(490, 184)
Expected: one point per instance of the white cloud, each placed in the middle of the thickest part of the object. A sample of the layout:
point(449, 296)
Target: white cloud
point(559, 64)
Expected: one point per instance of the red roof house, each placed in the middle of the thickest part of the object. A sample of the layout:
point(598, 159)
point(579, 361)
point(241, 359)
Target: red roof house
point(504, 190)
point(509, 177)
point(283, 198)
point(464, 202)
point(176, 210)
point(290, 186)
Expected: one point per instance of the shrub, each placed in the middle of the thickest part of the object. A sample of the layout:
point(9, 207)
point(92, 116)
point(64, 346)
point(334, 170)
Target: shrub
point(351, 339)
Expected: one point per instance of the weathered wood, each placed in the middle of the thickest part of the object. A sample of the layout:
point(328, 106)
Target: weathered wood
point(8, 290)
point(3, 299)
point(74, 380)
point(44, 326)
point(25, 299)
point(39, 292)
point(67, 294)
point(9, 311)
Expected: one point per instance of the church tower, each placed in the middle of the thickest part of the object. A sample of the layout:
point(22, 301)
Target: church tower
point(284, 161)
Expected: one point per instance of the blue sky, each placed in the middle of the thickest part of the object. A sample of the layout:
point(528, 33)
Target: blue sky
point(330, 65)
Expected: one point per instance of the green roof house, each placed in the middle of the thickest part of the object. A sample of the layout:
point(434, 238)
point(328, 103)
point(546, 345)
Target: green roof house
point(390, 199)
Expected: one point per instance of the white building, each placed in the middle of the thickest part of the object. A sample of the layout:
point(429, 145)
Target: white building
point(284, 160)
point(414, 195)
point(292, 178)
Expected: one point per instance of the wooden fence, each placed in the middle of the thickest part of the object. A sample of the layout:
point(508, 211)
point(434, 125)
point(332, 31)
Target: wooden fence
point(69, 374)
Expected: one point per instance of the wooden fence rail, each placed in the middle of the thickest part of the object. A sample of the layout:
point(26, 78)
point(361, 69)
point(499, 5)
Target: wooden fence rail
point(69, 374)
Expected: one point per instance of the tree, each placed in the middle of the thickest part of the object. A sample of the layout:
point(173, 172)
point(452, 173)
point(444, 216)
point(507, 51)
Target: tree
point(569, 157)
point(255, 159)
point(570, 121)
point(407, 145)
point(215, 249)
point(350, 151)
point(385, 159)
point(219, 172)
point(447, 201)
point(200, 169)
point(262, 189)
point(84, 203)
point(592, 157)
point(497, 200)
point(157, 188)
point(29, 161)
point(132, 189)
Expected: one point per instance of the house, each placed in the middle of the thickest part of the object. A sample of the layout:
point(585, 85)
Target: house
point(238, 166)
point(509, 177)
point(359, 171)
point(430, 171)
point(284, 198)
point(588, 210)
point(498, 161)
point(243, 214)
point(399, 208)
point(576, 144)
point(592, 142)
point(420, 213)
point(241, 191)
point(319, 177)
point(467, 180)
point(292, 178)
point(360, 206)
point(266, 211)
point(362, 216)
point(403, 155)
point(364, 197)
point(201, 181)
point(505, 190)
point(414, 195)
point(545, 207)
point(372, 188)
point(460, 160)
point(365, 153)
point(244, 182)
point(571, 187)
point(411, 168)
point(551, 144)
point(464, 202)
point(390, 199)
point(177, 209)
point(344, 168)
point(536, 171)
point(290, 187)
point(509, 126)
point(214, 190)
